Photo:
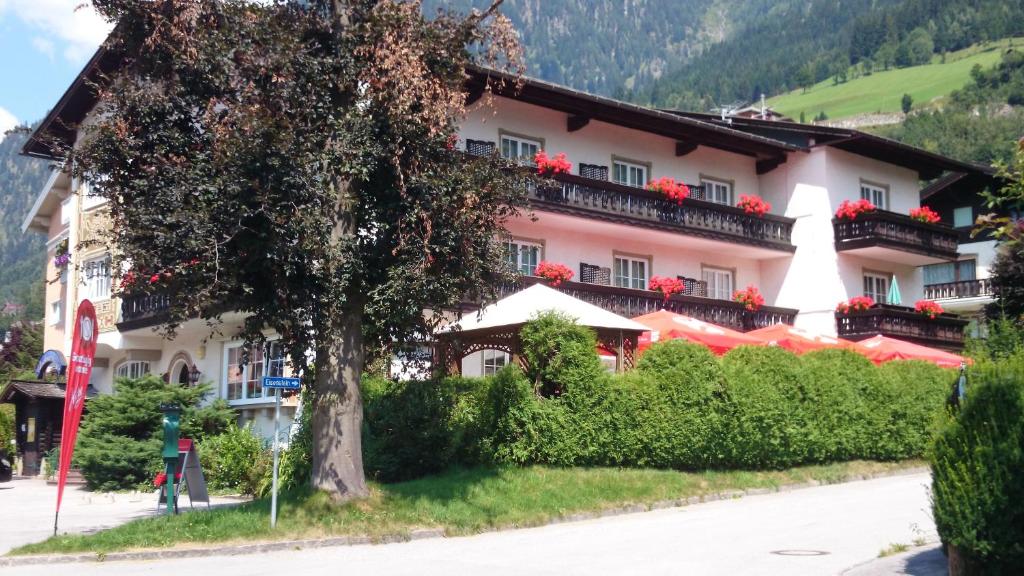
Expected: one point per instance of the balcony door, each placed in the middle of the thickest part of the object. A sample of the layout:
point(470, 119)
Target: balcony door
point(877, 195)
point(524, 255)
point(721, 282)
point(876, 287)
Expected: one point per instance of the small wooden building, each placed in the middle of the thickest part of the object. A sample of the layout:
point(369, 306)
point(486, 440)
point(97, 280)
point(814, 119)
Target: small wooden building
point(38, 417)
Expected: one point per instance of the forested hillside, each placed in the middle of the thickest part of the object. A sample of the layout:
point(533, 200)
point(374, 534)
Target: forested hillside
point(21, 255)
point(611, 46)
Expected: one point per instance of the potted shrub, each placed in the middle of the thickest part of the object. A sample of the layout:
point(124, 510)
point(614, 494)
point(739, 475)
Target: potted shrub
point(928, 308)
point(850, 210)
point(924, 214)
point(553, 272)
point(666, 285)
point(749, 297)
point(675, 191)
point(551, 165)
point(752, 204)
point(855, 304)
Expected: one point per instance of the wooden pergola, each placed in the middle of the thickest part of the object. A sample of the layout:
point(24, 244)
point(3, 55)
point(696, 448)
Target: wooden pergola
point(498, 326)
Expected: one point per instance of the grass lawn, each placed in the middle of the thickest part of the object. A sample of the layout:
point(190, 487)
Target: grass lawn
point(883, 91)
point(460, 502)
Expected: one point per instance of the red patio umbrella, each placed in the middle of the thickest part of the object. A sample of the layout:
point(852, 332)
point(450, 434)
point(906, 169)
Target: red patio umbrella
point(666, 325)
point(881, 349)
point(797, 340)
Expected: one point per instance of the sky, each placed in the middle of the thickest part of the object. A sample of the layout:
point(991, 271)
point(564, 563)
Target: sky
point(43, 45)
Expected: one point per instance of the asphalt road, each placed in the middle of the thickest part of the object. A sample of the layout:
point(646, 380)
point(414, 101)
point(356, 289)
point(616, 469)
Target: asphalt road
point(814, 531)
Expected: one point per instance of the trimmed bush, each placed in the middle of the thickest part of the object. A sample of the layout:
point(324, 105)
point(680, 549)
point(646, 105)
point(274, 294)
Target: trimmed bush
point(683, 401)
point(767, 421)
point(846, 405)
point(235, 460)
point(978, 474)
point(121, 434)
point(918, 389)
point(561, 355)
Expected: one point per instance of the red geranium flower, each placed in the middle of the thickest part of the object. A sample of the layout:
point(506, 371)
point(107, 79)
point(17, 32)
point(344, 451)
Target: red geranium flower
point(665, 285)
point(549, 166)
point(753, 205)
point(924, 214)
point(855, 304)
point(672, 190)
point(749, 297)
point(928, 308)
point(850, 210)
point(555, 273)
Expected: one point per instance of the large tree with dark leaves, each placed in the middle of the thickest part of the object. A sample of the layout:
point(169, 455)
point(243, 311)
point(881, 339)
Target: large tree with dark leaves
point(295, 161)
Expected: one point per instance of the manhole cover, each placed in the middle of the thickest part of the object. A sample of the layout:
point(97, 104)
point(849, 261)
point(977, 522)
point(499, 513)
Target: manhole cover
point(800, 552)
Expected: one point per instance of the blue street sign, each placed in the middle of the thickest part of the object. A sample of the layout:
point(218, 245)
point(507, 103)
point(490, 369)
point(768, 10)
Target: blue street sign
point(282, 383)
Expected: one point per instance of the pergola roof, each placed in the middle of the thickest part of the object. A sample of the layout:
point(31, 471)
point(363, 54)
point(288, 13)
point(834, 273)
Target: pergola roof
point(523, 306)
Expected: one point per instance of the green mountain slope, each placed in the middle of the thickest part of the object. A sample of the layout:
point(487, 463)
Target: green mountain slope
point(881, 91)
point(21, 255)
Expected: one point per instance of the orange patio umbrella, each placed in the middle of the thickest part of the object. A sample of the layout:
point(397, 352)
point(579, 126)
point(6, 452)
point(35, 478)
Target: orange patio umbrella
point(797, 340)
point(666, 325)
point(881, 349)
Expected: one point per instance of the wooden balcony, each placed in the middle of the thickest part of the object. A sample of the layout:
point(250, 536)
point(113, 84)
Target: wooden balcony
point(962, 289)
point(895, 237)
point(630, 303)
point(143, 310)
point(946, 331)
point(616, 203)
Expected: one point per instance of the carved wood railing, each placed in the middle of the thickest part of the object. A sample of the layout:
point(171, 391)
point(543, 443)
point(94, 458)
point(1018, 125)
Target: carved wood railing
point(635, 206)
point(897, 231)
point(959, 289)
point(945, 331)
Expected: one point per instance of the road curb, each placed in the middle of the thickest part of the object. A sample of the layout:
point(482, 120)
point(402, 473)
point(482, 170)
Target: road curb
point(425, 533)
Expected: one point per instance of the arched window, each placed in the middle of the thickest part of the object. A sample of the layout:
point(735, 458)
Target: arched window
point(132, 369)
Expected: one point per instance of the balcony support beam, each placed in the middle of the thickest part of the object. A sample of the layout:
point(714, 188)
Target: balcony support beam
point(768, 164)
point(576, 122)
point(684, 148)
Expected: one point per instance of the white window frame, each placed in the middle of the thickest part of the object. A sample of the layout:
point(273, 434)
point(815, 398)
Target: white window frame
point(630, 171)
point(88, 201)
point(878, 194)
point(876, 278)
point(713, 276)
point(56, 312)
point(512, 147)
point(97, 284)
point(958, 215)
point(268, 366)
point(515, 250)
point(133, 369)
point(631, 278)
point(713, 187)
point(66, 211)
point(492, 361)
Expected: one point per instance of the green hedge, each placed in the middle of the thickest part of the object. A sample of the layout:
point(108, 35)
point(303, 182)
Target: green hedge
point(682, 408)
point(978, 472)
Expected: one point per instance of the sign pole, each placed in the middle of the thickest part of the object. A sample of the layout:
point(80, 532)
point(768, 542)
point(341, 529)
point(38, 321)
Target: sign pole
point(277, 435)
point(277, 383)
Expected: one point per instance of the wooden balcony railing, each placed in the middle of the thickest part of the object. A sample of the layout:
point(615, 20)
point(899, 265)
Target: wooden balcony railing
point(635, 206)
point(960, 289)
point(143, 310)
point(630, 303)
point(946, 331)
point(896, 231)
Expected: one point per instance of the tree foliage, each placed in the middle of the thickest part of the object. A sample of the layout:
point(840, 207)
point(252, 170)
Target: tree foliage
point(295, 161)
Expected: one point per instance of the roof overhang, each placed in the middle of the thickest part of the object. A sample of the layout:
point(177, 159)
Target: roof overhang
point(583, 107)
point(60, 127)
point(47, 203)
point(927, 164)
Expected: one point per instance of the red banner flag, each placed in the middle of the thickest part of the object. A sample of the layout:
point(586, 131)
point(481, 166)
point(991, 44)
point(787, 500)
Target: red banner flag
point(83, 350)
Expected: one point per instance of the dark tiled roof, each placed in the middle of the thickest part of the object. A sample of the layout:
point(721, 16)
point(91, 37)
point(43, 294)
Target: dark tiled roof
point(37, 389)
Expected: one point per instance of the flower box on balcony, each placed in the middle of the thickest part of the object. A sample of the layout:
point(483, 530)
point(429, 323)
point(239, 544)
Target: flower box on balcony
point(895, 238)
point(945, 331)
point(611, 202)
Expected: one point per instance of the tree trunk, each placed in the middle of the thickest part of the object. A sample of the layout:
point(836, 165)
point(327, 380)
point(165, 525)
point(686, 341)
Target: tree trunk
point(338, 413)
